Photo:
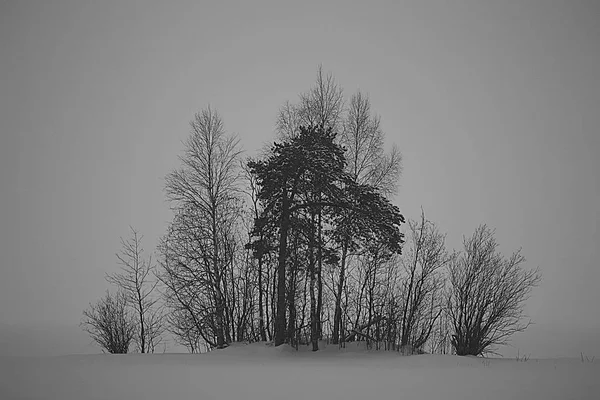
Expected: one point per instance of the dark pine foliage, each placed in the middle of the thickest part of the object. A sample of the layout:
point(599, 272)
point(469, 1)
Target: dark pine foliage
point(302, 183)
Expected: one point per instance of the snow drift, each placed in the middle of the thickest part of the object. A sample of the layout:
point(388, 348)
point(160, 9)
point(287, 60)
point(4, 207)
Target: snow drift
point(258, 371)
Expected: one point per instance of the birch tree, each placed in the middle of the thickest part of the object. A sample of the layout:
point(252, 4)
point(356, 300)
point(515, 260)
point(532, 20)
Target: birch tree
point(204, 192)
point(136, 280)
point(423, 261)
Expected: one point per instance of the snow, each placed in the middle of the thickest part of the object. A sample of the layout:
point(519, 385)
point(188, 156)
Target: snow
point(258, 371)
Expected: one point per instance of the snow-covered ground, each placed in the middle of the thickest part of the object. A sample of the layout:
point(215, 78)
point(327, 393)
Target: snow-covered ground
point(262, 372)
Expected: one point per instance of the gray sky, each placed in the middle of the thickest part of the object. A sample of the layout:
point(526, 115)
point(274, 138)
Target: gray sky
point(495, 106)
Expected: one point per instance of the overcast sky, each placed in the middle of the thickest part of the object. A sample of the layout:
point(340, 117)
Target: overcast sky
point(495, 106)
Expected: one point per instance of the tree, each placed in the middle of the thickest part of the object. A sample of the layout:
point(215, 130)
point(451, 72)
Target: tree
point(367, 163)
point(282, 179)
point(486, 294)
point(306, 174)
point(261, 251)
point(423, 283)
point(136, 283)
point(200, 245)
point(322, 105)
point(109, 323)
point(360, 133)
point(363, 139)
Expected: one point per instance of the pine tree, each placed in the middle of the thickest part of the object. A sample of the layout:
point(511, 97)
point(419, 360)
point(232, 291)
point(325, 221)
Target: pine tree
point(306, 174)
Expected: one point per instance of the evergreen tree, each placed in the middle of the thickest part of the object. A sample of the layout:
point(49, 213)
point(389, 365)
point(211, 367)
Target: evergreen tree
point(306, 174)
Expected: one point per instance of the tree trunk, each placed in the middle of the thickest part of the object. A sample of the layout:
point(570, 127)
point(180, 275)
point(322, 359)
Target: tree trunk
point(220, 322)
point(291, 328)
point(314, 328)
point(142, 325)
point(337, 317)
point(271, 325)
point(314, 334)
point(280, 325)
point(320, 279)
point(261, 312)
point(304, 303)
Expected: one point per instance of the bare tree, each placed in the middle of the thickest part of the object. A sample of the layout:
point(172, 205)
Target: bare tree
point(185, 328)
point(205, 195)
point(109, 323)
point(363, 139)
point(322, 105)
point(440, 340)
point(486, 294)
point(136, 281)
point(155, 328)
point(288, 120)
point(425, 256)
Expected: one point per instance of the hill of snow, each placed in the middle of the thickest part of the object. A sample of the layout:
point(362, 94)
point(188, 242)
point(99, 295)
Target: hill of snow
point(259, 371)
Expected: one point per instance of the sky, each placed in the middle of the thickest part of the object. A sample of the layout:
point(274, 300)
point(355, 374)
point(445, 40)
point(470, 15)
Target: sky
point(495, 107)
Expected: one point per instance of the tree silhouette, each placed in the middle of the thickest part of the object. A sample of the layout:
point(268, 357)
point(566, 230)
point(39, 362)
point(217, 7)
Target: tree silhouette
point(307, 174)
point(109, 323)
point(486, 294)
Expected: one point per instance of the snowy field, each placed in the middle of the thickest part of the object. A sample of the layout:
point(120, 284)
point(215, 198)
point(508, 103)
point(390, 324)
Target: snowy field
point(261, 372)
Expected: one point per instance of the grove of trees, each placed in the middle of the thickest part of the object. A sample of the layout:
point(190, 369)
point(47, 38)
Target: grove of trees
point(303, 244)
